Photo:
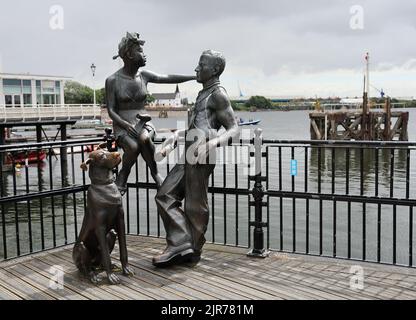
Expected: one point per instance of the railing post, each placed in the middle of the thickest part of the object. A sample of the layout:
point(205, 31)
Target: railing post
point(258, 250)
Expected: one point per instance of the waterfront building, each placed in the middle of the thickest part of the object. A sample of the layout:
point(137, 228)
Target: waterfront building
point(28, 90)
point(168, 99)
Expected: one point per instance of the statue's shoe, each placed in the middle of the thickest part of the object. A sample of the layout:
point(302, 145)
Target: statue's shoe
point(195, 257)
point(173, 255)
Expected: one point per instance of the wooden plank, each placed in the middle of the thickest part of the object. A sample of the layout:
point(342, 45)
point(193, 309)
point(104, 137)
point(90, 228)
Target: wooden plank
point(41, 267)
point(261, 287)
point(106, 291)
point(21, 288)
point(42, 283)
point(177, 287)
point(214, 285)
point(6, 294)
point(141, 284)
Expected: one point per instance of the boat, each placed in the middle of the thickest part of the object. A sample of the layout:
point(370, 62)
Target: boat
point(242, 122)
point(22, 156)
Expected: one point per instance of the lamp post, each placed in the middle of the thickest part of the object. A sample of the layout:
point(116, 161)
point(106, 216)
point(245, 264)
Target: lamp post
point(93, 67)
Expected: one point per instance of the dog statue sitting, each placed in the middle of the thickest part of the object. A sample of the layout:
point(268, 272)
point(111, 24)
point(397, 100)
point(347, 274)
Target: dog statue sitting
point(103, 221)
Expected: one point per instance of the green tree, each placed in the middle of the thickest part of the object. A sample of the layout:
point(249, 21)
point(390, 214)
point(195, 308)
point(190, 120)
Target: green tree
point(259, 102)
point(77, 93)
point(150, 98)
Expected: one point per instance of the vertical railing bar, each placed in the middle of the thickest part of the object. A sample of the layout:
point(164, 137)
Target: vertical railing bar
point(42, 227)
point(63, 170)
point(334, 231)
point(281, 199)
point(128, 209)
point(52, 197)
point(248, 198)
point(3, 214)
point(137, 199)
point(407, 173)
point(224, 184)
point(16, 212)
point(83, 182)
point(292, 155)
point(333, 170)
point(347, 191)
point(236, 196)
point(307, 200)
point(320, 202)
point(213, 208)
point(376, 150)
point(379, 232)
point(268, 198)
point(411, 236)
point(391, 172)
point(347, 170)
point(147, 201)
point(364, 231)
point(74, 200)
point(29, 210)
point(394, 234)
point(361, 171)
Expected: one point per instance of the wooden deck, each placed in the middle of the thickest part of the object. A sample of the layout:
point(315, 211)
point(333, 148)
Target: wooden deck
point(223, 273)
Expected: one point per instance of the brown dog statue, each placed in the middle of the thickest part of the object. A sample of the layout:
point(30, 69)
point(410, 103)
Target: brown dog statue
point(103, 221)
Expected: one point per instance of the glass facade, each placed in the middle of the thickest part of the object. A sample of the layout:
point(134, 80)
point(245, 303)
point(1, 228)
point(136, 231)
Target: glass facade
point(18, 92)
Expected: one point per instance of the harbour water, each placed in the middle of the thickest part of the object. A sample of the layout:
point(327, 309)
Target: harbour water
point(142, 217)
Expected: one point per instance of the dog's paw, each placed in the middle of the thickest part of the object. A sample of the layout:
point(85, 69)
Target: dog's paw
point(93, 278)
point(128, 271)
point(113, 279)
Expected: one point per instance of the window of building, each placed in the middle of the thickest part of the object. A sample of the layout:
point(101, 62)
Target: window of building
point(27, 99)
point(12, 86)
point(8, 100)
point(17, 102)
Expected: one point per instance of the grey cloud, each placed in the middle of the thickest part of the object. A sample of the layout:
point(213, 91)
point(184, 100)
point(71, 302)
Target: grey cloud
point(271, 37)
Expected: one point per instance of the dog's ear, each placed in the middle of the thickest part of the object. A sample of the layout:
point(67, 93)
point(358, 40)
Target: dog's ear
point(84, 164)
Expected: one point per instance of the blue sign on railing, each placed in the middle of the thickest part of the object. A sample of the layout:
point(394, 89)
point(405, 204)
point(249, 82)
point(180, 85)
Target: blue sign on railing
point(293, 167)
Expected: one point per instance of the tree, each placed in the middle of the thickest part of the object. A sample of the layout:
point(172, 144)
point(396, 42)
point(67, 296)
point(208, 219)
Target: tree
point(259, 102)
point(149, 98)
point(77, 93)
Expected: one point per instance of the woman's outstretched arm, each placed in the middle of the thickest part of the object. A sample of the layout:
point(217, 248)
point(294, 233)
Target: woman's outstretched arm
point(150, 76)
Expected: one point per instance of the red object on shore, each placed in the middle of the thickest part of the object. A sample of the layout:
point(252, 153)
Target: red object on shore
point(20, 157)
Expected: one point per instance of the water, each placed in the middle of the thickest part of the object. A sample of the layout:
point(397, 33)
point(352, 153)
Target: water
point(222, 229)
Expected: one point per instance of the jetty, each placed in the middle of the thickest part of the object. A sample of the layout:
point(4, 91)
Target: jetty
point(224, 273)
point(362, 123)
point(359, 124)
point(291, 219)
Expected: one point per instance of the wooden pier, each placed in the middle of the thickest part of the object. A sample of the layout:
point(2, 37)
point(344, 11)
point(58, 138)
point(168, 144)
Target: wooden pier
point(223, 273)
point(360, 124)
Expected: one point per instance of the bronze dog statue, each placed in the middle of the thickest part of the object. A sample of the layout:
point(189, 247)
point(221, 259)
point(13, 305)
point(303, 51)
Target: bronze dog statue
point(103, 221)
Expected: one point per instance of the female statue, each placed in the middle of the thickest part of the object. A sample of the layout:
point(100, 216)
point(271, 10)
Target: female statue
point(126, 92)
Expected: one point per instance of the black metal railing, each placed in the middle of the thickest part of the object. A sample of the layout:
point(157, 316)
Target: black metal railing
point(42, 192)
point(342, 199)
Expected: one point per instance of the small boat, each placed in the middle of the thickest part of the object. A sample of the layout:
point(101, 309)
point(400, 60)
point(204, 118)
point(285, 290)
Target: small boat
point(242, 122)
point(22, 156)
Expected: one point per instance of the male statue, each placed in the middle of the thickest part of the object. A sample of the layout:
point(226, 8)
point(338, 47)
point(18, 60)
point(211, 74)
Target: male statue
point(185, 229)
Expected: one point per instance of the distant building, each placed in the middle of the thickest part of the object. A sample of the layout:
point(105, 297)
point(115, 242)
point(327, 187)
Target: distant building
point(167, 99)
point(29, 90)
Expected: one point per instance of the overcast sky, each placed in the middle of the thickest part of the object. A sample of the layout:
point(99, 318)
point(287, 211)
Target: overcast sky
point(273, 47)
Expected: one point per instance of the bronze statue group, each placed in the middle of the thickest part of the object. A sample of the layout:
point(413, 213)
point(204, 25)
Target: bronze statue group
point(126, 92)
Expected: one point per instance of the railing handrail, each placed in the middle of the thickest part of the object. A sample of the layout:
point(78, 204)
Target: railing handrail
point(340, 142)
point(37, 145)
